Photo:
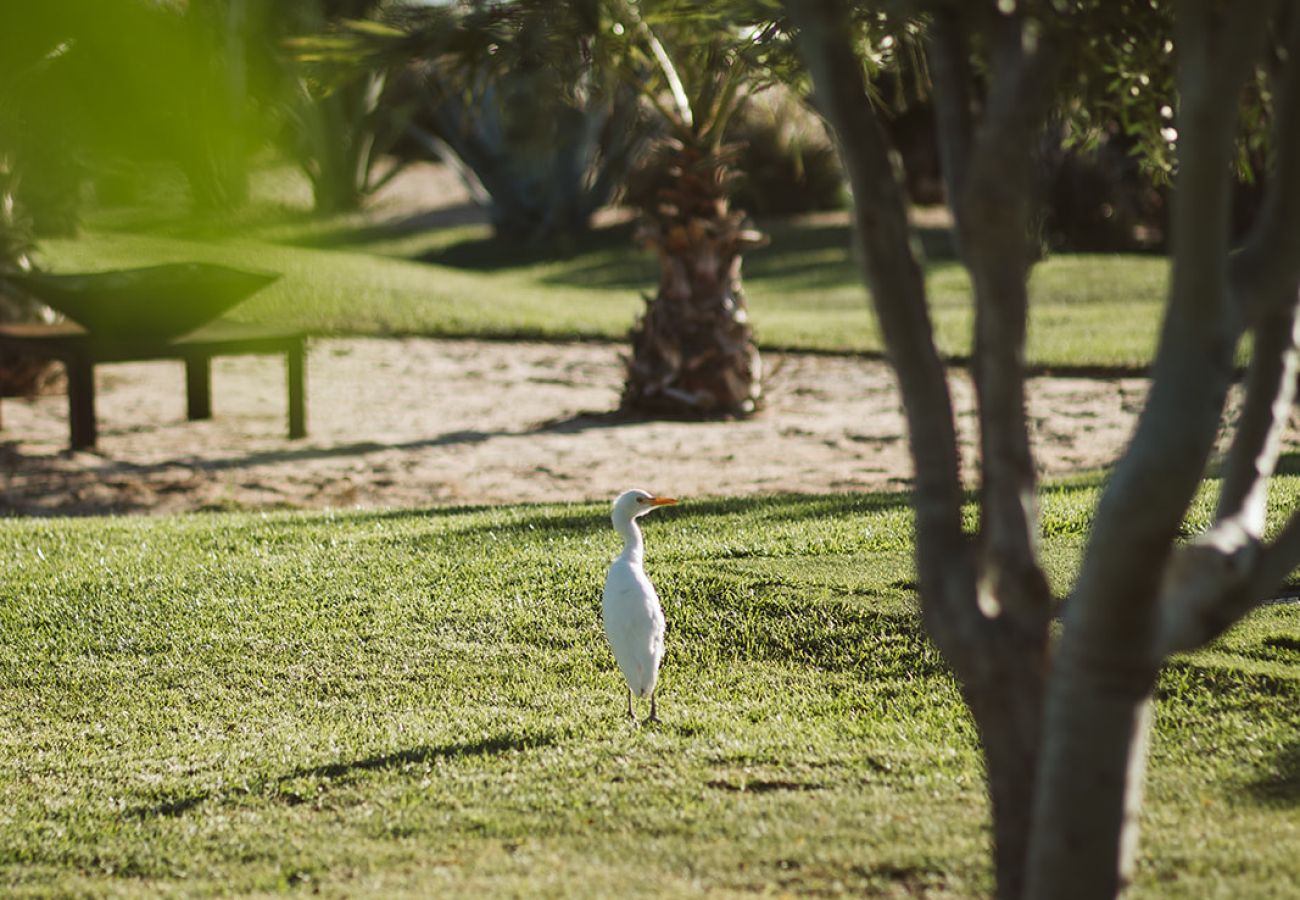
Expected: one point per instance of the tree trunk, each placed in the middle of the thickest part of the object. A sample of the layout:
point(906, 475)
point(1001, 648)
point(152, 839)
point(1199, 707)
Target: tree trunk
point(1098, 707)
point(986, 602)
point(1066, 747)
point(693, 351)
point(1006, 705)
point(339, 143)
point(547, 134)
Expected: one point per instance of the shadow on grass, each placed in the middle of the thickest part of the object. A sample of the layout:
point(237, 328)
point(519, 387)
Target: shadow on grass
point(771, 507)
point(492, 746)
point(812, 255)
point(822, 255)
point(1288, 464)
point(1281, 784)
point(851, 635)
point(390, 229)
point(612, 245)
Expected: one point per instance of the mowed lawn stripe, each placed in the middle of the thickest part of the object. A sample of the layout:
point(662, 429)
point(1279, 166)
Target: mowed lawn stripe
point(422, 702)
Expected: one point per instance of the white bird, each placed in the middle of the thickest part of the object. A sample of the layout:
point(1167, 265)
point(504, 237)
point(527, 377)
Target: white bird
point(634, 620)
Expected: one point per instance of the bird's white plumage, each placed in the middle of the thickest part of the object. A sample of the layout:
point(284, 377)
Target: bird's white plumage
point(634, 623)
point(634, 620)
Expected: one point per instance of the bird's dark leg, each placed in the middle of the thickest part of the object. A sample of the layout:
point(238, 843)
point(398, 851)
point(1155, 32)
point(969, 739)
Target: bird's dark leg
point(654, 713)
point(631, 715)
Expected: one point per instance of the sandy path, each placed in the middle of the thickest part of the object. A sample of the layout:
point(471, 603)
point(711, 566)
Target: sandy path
point(420, 422)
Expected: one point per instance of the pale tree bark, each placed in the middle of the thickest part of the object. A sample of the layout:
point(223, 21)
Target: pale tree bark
point(1224, 573)
point(992, 211)
point(989, 167)
point(945, 561)
point(1097, 716)
point(986, 602)
point(1065, 748)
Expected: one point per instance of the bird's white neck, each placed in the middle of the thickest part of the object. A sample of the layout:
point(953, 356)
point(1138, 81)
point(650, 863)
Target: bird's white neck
point(633, 544)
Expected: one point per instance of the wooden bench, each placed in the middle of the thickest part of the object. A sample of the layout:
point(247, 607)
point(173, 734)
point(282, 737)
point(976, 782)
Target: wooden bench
point(80, 353)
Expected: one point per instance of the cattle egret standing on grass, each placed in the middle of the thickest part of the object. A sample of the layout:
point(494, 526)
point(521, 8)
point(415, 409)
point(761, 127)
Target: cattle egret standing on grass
point(634, 621)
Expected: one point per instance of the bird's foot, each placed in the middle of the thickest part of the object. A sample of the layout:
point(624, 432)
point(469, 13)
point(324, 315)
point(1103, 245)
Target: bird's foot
point(653, 717)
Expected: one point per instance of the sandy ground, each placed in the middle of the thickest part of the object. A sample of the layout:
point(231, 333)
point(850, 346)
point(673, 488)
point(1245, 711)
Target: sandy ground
point(428, 422)
point(419, 422)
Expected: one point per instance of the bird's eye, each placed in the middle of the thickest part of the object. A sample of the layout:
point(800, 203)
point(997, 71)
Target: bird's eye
point(642, 500)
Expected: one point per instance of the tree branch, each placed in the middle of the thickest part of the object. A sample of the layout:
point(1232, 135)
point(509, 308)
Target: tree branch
point(897, 285)
point(1206, 587)
point(1106, 661)
point(1267, 267)
point(999, 662)
point(1142, 509)
point(1224, 573)
point(1270, 390)
point(953, 96)
point(1220, 577)
point(993, 216)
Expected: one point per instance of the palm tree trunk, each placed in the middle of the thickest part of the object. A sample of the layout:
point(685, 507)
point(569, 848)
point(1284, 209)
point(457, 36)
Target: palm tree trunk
point(693, 351)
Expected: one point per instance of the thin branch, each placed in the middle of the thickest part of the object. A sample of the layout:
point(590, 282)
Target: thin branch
point(897, 285)
point(1269, 262)
point(993, 216)
point(1107, 658)
point(954, 102)
point(988, 175)
point(445, 153)
point(1270, 391)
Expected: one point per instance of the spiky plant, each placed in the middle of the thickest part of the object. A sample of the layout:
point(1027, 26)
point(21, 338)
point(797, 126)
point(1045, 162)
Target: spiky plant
point(693, 351)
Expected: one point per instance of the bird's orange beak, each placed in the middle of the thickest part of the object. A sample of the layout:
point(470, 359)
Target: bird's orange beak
point(663, 501)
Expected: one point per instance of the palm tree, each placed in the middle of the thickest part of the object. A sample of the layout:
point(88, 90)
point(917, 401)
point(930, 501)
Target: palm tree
point(693, 350)
point(532, 97)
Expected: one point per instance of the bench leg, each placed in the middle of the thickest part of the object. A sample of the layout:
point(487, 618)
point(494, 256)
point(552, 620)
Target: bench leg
point(297, 400)
point(198, 387)
point(81, 403)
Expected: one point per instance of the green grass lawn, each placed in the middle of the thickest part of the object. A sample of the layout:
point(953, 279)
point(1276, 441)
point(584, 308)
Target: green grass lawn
point(421, 703)
point(804, 288)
